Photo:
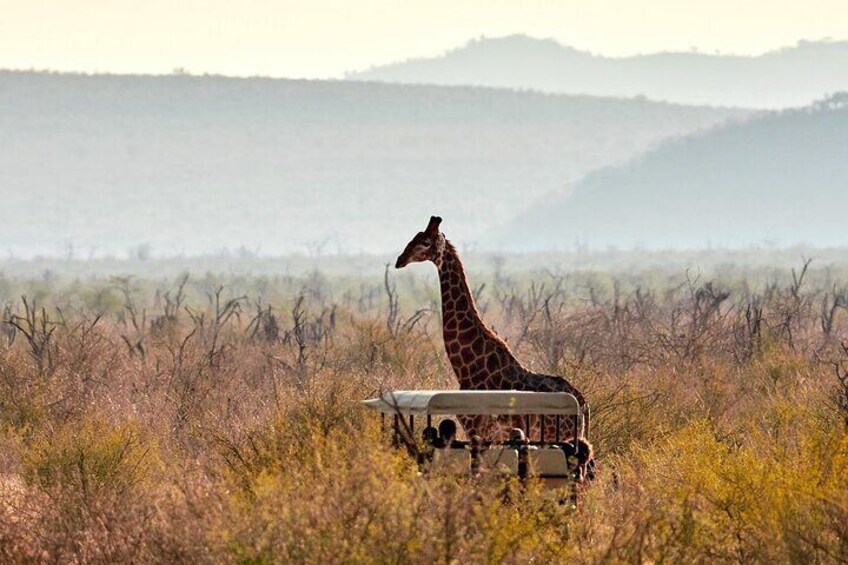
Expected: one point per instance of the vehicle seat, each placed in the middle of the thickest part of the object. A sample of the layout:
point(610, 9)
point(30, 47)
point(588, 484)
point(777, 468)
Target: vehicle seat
point(548, 463)
point(504, 460)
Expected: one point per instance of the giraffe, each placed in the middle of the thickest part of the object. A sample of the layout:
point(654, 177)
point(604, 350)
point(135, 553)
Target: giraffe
point(479, 357)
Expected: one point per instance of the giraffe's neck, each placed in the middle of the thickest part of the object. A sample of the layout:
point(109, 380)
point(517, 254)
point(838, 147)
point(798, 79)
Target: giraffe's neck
point(477, 355)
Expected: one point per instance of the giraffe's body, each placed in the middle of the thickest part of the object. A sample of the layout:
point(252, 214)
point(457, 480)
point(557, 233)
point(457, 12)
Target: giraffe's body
point(480, 359)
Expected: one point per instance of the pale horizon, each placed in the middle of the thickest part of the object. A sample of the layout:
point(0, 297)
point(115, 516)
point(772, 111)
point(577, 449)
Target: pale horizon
point(344, 74)
point(328, 38)
point(525, 154)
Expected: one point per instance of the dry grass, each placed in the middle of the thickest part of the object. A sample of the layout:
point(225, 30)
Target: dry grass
point(192, 424)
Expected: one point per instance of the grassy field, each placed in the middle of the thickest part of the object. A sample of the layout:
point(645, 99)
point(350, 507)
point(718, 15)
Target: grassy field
point(216, 418)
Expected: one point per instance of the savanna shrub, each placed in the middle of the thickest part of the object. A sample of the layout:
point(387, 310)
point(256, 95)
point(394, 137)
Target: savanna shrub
point(184, 428)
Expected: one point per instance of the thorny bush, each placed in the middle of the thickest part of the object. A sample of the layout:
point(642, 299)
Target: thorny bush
point(219, 421)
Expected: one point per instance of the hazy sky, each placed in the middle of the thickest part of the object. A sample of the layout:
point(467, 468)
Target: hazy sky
point(324, 38)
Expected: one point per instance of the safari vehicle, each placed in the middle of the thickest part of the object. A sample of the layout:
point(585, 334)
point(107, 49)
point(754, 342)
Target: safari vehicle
point(542, 457)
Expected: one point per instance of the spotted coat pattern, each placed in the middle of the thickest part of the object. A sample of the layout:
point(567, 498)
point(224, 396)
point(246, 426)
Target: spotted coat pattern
point(480, 359)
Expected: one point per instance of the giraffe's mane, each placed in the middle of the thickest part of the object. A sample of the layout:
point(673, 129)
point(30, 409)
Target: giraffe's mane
point(489, 332)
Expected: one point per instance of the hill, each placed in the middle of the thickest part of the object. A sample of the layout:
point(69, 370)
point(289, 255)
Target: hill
point(780, 179)
point(794, 76)
point(184, 164)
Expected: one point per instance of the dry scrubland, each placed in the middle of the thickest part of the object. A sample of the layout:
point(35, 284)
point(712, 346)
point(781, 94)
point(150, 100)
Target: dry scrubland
point(218, 420)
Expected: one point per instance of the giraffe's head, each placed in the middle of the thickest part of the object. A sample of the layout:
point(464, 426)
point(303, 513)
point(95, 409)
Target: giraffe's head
point(427, 245)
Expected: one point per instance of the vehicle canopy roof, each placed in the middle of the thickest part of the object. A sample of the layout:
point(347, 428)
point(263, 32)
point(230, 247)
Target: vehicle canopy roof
point(475, 402)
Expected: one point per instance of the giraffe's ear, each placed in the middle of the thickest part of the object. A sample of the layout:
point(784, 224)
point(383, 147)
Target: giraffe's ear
point(433, 226)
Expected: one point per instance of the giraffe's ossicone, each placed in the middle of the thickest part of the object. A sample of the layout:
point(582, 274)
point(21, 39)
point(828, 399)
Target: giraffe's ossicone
point(480, 359)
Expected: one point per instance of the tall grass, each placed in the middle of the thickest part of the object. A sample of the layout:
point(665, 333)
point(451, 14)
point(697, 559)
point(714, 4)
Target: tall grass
point(219, 421)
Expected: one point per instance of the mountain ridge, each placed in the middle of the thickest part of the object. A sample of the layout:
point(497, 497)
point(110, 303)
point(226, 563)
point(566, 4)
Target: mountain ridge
point(191, 165)
point(778, 179)
point(781, 78)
